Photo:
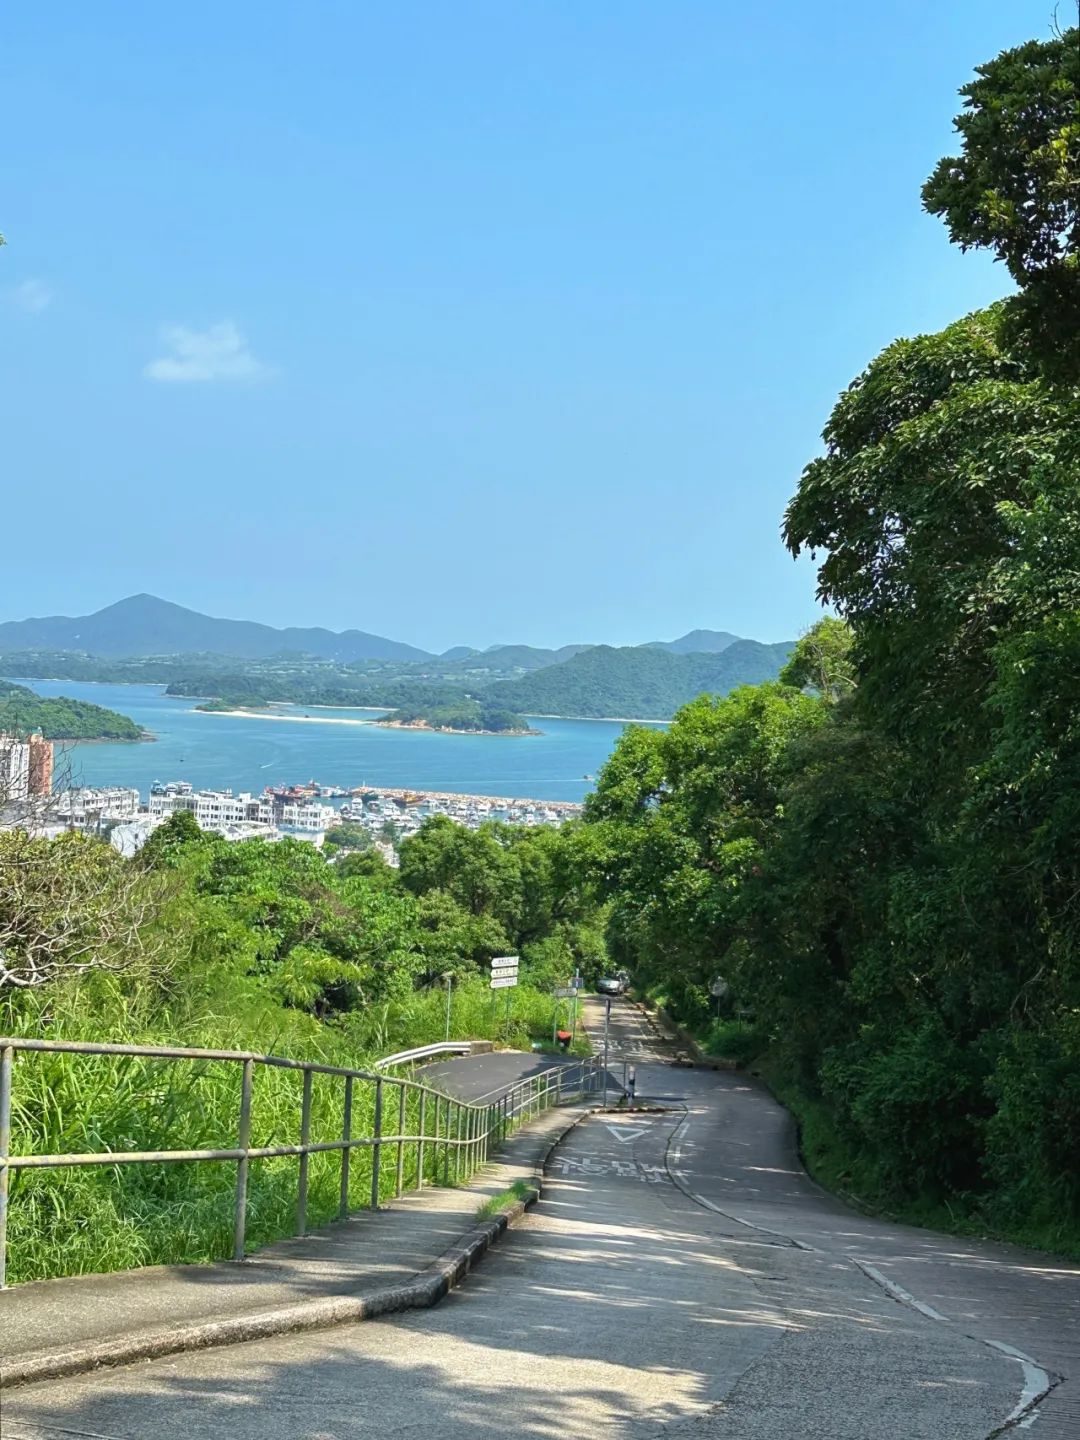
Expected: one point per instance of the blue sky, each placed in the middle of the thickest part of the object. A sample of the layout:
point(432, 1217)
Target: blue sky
point(461, 323)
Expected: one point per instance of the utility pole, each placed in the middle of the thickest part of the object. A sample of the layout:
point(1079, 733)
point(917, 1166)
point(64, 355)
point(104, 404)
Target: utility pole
point(449, 993)
point(607, 1022)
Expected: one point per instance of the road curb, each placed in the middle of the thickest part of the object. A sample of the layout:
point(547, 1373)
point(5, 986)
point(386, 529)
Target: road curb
point(429, 1287)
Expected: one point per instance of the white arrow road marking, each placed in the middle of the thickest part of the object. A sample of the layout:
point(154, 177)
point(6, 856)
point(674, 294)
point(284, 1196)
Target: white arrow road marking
point(620, 1133)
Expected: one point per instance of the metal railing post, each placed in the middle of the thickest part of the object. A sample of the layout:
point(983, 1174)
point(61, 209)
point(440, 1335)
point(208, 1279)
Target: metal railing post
point(6, 1057)
point(346, 1153)
point(402, 1094)
point(243, 1142)
point(421, 1127)
point(376, 1146)
point(447, 1119)
point(305, 1138)
point(460, 1130)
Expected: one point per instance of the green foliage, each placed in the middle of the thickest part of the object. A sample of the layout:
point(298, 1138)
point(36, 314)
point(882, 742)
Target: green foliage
point(1015, 189)
point(890, 880)
point(465, 714)
point(638, 682)
point(821, 661)
point(348, 836)
point(22, 713)
point(519, 1193)
point(257, 946)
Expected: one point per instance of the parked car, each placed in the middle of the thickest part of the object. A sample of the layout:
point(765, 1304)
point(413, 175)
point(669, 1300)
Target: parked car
point(611, 985)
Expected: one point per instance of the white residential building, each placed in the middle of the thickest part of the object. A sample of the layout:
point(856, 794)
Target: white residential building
point(307, 816)
point(211, 808)
point(14, 769)
point(92, 803)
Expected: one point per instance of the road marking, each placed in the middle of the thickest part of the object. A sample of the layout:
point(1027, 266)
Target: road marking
point(620, 1133)
point(627, 1169)
point(899, 1293)
point(1037, 1381)
point(671, 1162)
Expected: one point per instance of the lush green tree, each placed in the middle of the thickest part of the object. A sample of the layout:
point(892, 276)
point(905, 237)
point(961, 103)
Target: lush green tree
point(348, 835)
point(469, 865)
point(1015, 187)
point(821, 661)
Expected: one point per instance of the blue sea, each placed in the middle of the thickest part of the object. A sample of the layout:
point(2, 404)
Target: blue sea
point(246, 753)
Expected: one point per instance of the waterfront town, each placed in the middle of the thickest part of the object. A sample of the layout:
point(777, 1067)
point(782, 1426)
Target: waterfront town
point(308, 811)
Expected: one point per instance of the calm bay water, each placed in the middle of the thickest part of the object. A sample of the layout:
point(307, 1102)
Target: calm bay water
point(243, 753)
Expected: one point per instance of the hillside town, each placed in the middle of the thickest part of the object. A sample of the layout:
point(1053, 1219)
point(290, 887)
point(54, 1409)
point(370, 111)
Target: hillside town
point(120, 813)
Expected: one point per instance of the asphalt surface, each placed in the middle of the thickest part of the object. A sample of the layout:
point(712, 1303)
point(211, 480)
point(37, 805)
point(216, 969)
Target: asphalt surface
point(365, 1254)
point(681, 1276)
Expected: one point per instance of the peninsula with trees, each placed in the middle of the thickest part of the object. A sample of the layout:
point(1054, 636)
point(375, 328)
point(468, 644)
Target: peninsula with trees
point(58, 718)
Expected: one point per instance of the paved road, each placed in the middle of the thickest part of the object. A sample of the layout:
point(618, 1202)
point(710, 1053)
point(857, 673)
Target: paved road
point(680, 1277)
point(487, 1076)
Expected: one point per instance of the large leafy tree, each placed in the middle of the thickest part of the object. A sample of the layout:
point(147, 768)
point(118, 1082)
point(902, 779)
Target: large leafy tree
point(1015, 187)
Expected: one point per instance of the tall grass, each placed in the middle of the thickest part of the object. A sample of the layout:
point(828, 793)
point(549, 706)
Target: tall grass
point(95, 1218)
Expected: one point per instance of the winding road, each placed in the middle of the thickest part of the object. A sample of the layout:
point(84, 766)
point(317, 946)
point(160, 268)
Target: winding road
point(681, 1276)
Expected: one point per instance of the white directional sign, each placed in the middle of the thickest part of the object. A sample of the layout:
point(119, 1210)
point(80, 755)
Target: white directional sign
point(503, 982)
point(565, 992)
point(504, 963)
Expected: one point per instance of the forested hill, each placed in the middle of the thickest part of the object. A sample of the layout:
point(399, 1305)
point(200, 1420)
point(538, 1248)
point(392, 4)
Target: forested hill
point(22, 712)
point(639, 682)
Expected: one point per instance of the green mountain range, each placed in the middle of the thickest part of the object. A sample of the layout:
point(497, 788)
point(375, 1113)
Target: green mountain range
point(145, 625)
point(233, 661)
point(637, 682)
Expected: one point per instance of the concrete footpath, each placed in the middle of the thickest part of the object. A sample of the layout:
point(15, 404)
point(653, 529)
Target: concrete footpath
point(405, 1256)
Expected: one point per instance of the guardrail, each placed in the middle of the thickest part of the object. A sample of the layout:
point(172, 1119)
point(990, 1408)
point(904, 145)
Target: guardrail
point(450, 1138)
point(426, 1052)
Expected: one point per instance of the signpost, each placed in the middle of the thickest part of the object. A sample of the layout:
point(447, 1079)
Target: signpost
point(576, 983)
point(504, 976)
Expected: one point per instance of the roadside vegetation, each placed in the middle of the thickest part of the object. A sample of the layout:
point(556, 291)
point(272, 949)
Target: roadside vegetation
point(519, 1193)
point(880, 853)
point(251, 946)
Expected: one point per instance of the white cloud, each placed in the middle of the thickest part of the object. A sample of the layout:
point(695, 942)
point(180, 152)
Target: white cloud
point(31, 295)
point(217, 353)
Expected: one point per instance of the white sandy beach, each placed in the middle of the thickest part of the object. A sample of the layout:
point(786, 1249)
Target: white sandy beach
point(292, 719)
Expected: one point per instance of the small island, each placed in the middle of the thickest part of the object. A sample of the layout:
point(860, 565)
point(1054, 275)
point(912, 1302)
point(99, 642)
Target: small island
point(224, 706)
point(24, 713)
point(461, 717)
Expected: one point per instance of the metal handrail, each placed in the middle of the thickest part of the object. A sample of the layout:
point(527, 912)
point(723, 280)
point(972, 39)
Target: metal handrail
point(459, 1140)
